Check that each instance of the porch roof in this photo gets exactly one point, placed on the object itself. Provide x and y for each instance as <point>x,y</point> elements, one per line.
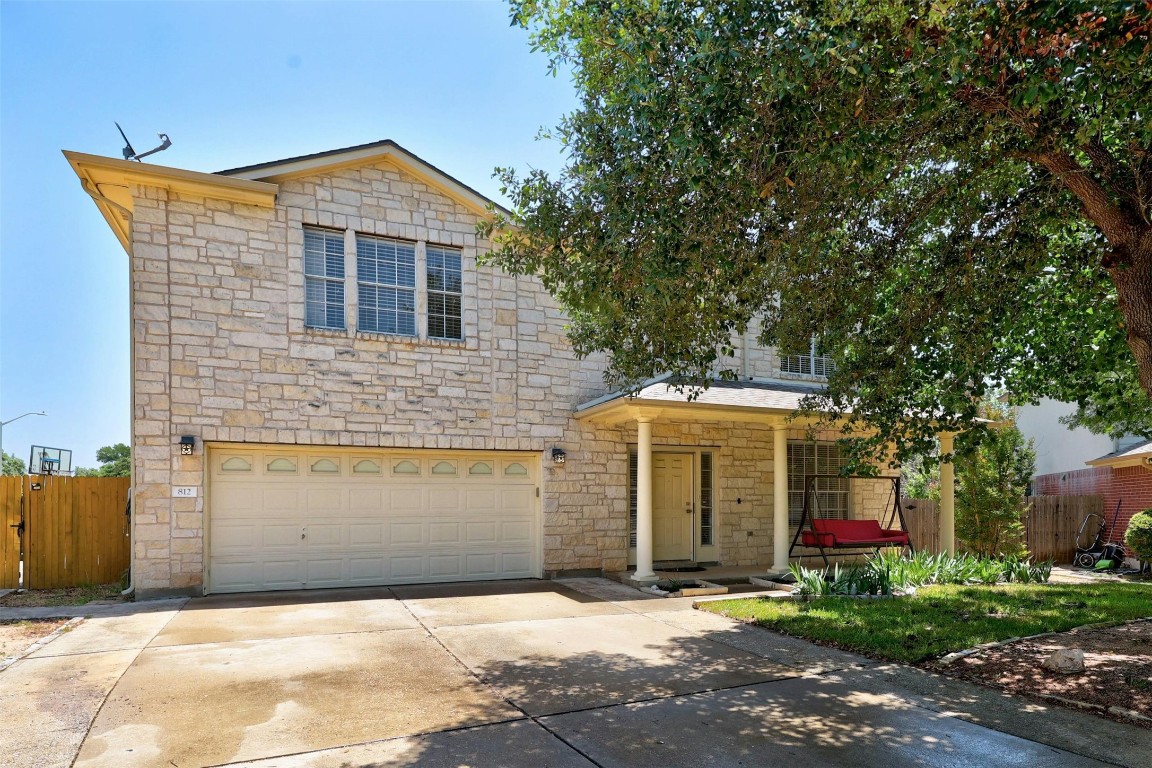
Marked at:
<point>1136,456</point>
<point>744,400</point>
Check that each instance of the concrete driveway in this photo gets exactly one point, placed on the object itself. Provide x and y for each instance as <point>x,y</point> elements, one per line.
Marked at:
<point>577,673</point>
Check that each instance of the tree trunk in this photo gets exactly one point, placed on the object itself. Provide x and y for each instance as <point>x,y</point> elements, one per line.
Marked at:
<point>1131,271</point>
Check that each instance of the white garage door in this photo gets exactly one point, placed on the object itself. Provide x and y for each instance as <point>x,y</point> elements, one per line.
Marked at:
<point>308,518</point>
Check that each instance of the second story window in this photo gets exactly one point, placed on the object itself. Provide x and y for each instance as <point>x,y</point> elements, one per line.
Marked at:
<point>386,285</point>
<point>444,293</point>
<point>323,279</point>
<point>808,363</point>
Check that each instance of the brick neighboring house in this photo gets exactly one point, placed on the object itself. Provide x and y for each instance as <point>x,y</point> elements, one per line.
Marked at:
<point>330,389</point>
<point>1119,471</point>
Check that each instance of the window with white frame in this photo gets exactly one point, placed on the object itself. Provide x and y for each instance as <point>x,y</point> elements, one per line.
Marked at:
<point>323,278</point>
<point>386,285</point>
<point>445,292</point>
<point>831,495</point>
<point>810,364</point>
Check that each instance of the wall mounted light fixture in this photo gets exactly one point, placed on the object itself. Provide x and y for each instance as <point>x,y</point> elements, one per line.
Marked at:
<point>187,443</point>
<point>558,456</point>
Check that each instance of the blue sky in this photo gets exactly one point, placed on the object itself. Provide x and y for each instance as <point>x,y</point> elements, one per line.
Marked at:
<point>232,84</point>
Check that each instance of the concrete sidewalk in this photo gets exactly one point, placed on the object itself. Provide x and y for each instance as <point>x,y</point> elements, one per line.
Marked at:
<point>581,672</point>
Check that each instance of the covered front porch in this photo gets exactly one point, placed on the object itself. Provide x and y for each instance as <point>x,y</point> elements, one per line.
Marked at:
<point>710,473</point>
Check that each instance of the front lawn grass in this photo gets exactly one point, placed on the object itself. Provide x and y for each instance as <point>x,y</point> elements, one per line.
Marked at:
<point>941,619</point>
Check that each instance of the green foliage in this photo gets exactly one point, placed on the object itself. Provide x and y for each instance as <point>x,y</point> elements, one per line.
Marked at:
<point>920,475</point>
<point>941,619</point>
<point>115,461</point>
<point>993,469</point>
<point>952,196</point>
<point>13,465</point>
<point>1025,571</point>
<point>889,571</point>
<point>1138,537</point>
<point>812,583</point>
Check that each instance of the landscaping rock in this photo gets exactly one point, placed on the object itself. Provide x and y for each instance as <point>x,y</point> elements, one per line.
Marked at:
<point>1066,661</point>
<point>691,588</point>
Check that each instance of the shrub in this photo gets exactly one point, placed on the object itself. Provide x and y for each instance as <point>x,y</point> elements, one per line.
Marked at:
<point>1139,535</point>
<point>993,471</point>
<point>889,571</point>
<point>812,583</point>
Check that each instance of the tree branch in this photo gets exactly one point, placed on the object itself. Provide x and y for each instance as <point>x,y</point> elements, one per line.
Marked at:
<point>1114,223</point>
<point>1116,176</point>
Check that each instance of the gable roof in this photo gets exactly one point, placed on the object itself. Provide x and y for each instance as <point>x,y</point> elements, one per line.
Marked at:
<point>108,181</point>
<point>368,154</point>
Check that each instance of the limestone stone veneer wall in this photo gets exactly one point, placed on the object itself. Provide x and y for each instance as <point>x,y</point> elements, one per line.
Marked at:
<point>220,352</point>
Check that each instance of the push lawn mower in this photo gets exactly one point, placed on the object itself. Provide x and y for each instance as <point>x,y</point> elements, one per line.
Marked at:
<point>1091,549</point>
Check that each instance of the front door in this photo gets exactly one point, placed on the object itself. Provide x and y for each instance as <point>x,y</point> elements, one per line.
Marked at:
<point>673,512</point>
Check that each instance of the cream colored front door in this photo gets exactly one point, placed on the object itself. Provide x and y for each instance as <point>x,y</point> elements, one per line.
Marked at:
<point>672,506</point>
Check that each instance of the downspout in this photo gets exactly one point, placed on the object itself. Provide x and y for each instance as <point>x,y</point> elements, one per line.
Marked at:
<point>94,193</point>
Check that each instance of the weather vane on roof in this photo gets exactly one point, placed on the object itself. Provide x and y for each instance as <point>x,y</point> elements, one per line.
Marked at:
<point>130,154</point>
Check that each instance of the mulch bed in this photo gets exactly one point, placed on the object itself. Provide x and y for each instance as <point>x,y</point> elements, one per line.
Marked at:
<point>39,598</point>
<point>1117,671</point>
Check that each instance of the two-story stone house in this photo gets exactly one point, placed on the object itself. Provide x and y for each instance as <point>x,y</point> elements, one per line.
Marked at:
<point>329,390</point>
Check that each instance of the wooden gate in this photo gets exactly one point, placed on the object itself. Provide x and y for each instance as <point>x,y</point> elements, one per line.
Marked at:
<point>10,492</point>
<point>75,530</point>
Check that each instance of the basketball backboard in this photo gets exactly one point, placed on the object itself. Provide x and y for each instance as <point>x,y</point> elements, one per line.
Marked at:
<point>50,461</point>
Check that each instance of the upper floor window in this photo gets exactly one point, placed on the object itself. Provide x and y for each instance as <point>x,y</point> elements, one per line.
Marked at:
<point>386,285</point>
<point>323,279</point>
<point>811,364</point>
<point>400,287</point>
<point>444,293</point>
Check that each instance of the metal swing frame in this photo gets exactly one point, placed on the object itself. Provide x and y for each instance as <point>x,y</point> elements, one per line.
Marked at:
<point>808,515</point>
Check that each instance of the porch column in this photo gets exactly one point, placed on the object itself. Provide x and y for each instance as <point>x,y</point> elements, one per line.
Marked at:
<point>947,497</point>
<point>644,570</point>
<point>780,498</point>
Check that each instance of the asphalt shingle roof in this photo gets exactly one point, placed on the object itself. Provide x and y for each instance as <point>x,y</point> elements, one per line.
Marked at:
<point>746,394</point>
<point>1140,449</point>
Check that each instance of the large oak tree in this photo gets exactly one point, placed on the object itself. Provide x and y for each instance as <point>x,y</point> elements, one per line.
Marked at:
<point>953,196</point>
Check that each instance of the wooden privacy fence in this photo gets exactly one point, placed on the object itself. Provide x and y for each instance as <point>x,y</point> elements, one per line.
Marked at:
<point>1050,524</point>
<point>69,531</point>
<point>923,519</point>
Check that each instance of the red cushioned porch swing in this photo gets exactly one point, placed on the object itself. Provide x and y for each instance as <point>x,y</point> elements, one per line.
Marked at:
<point>849,537</point>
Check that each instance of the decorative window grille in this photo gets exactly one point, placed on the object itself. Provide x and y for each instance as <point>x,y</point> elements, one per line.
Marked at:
<point>323,279</point>
<point>706,517</point>
<point>832,494</point>
<point>386,283</point>
<point>444,293</point>
<point>811,364</point>
<point>633,471</point>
